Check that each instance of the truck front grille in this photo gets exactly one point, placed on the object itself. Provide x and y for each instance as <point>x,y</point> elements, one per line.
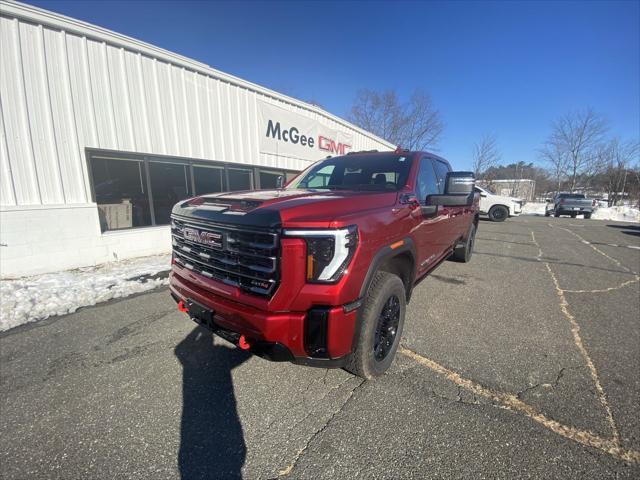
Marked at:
<point>244,258</point>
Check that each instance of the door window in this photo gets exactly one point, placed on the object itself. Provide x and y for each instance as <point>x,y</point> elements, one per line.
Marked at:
<point>427,183</point>
<point>441,172</point>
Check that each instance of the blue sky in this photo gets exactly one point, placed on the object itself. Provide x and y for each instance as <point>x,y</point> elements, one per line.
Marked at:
<point>507,68</point>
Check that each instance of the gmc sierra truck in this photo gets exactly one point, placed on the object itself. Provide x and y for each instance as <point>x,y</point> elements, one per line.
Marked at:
<point>320,272</point>
<point>573,204</point>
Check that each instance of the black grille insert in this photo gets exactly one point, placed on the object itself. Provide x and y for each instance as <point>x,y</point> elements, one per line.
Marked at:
<point>244,258</point>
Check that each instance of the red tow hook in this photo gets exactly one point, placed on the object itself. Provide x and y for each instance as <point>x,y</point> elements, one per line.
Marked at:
<point>243,343</point>
<point>182,307</point>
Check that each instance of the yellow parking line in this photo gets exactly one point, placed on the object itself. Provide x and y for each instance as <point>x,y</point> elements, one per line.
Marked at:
<point>575,330</point>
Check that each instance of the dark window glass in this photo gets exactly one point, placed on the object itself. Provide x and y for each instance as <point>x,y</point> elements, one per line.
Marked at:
<point>441,172</point>
<point>426,183</point>
<point>269,179</point>
<point>120,189</point>
<point>207,180</point>
<point>376,171</point>
<point>576,196</point>
<point>169,184</point>
<point>239,179</point>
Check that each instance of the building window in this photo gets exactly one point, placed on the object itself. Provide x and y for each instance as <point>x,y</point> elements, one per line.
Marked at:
<point>208,179</point>
<point>121,193</point>
<point>239,179</point>
<point>269,179</point>
<point>136,190</point>
<point>169,184</point>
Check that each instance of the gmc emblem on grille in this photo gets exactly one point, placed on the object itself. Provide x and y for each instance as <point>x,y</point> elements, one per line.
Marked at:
<point>211,239</point>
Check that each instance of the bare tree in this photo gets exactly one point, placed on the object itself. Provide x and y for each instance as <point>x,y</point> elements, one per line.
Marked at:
<point>556,157</point>
<point>615,160</point>
<point>574,141</point>
<point>415,124</point>
<point>485,154</point>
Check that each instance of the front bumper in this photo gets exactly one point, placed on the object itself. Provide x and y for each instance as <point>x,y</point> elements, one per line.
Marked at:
<point>276,336</point>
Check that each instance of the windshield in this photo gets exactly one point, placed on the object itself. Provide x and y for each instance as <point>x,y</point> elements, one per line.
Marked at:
<point>376,171</point>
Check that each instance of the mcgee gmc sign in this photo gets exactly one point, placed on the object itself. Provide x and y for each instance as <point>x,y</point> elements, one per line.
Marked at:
<point>290,134</point>
<point>294,136</point>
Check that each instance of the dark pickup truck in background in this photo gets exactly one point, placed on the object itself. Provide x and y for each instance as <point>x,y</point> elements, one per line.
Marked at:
<point>573,204</point>
<point>320,272</point>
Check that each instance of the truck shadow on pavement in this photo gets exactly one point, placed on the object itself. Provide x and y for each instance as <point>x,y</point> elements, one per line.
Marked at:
<point>628,229</point>
<point>211,440</point>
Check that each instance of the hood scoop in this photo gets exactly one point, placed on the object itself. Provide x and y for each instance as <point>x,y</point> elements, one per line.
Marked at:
<point>226,205</point>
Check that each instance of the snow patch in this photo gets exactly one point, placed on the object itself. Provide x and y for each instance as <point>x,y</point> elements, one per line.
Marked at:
<point>35,298</point>
<point>620,213</point>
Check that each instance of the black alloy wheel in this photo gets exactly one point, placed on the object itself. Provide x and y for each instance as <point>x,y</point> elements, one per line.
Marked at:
<point>387,328</point>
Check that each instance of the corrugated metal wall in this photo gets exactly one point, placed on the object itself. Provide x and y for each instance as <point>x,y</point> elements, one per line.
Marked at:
<point>63,89</point>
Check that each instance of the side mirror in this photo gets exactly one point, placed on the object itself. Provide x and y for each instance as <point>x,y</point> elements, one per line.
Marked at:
<point>280,182</point>
<point>455,200</point>
<point>459,183</point>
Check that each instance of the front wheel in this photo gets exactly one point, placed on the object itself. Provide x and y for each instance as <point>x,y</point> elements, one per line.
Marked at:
<point>498,213</point>
<point>382,316</point>
<point>587,216</point>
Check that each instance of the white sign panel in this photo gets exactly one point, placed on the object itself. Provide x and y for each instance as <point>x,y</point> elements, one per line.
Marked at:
<point>290,134</point>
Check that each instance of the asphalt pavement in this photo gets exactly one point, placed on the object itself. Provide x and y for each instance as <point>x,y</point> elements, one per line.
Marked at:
<point>523,363</point>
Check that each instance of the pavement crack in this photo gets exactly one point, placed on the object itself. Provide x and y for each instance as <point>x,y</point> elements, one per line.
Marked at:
<point>289,468</point>
<point>508,401</point>
<point>554,384</point>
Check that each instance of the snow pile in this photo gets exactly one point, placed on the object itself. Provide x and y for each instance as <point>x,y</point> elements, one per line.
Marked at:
<point>34,298</point>
<point>533,208</point>
<point>621,213</point>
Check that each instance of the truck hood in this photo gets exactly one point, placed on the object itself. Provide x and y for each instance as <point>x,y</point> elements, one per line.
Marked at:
<point>277,208</point>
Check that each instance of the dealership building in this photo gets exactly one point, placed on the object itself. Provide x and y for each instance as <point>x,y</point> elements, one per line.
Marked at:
<point>102,134</point>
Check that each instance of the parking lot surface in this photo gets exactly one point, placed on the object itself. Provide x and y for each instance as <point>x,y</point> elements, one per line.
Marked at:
<point>523,363</point>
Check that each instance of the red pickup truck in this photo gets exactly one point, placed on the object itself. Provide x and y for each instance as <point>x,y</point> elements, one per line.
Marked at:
<point>320,272</point>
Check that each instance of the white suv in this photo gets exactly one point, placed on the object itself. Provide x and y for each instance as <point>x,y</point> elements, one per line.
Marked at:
<point>497,207</point>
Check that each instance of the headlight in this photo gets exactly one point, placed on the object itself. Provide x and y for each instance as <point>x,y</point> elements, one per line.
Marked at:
<point>328,252</point>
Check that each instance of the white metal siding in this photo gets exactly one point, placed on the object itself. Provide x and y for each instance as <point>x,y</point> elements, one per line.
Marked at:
<point>66,85</point>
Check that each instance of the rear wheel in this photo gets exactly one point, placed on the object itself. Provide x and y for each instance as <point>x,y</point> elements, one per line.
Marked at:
<point>382,318</point>
<point>463,252</point>
<point>574,215</point>
<point>556,214</point>
<point>587,216</point>
<point>547,213</point>
<point>498,213</point>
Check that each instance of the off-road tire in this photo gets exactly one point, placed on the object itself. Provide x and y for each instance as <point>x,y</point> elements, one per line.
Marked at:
<point>362,361</point>
<point>587,216</point>
<point>574,215</point>
<point>463,252</point>
<point>498,213</point>
<point>556,214</point>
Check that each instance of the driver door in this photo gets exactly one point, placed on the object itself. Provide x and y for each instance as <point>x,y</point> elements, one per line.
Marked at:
<point>430,230</point>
